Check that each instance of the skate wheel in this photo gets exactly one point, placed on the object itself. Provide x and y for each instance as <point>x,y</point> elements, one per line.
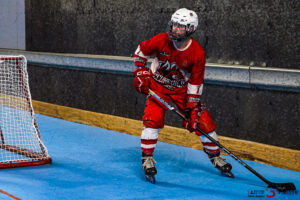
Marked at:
<point>228,174</point>
<point>151,179</point>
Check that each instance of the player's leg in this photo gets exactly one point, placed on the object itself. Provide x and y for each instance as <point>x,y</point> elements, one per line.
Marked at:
<point>208,126</point>
<point>213,151</point>
<point>148,143</point>
<point>153,120</point>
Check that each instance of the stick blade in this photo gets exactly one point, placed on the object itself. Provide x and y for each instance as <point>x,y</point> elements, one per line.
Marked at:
<point>283,187</point>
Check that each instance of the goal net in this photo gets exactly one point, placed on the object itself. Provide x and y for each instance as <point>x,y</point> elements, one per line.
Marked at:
<point>20,141</point>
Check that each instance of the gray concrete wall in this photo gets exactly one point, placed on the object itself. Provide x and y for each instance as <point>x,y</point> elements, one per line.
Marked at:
<point>251,103</point>
<point>12,24</point>
<point>255,32</point>
<point>270,117</point>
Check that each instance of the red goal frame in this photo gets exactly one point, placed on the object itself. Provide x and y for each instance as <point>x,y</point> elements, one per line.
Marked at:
<point>36,158</point>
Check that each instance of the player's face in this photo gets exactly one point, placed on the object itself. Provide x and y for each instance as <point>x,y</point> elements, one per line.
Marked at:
<point>178,30</point>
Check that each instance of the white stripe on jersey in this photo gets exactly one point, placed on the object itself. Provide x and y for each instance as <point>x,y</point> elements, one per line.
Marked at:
<point>185,48</point>
<point>140,53</point>
<point>195,89</point>
<point>154,65</point>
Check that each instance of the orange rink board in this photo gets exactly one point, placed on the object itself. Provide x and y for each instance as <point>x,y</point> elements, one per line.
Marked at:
<point>267,154</point>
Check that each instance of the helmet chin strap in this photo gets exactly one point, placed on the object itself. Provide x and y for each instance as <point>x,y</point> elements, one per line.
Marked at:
<point>181,39</point>
<point>178,39</point>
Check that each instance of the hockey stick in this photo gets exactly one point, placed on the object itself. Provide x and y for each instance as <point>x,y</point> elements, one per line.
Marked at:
<point>281,187</point>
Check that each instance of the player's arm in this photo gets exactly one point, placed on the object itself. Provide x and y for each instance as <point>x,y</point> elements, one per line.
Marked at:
<point>194,93</point>
<point>142,54</point>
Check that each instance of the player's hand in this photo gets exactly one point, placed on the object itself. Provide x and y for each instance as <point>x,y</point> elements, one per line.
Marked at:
<point>142,79</point>
<point>193,118</point>
<point>192,112</point>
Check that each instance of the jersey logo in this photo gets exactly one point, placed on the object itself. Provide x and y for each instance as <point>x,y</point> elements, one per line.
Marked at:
<point>169,75</point>
<point>164,53</point>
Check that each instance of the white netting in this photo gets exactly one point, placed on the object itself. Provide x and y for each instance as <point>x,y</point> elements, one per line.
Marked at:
<point>19,135</point>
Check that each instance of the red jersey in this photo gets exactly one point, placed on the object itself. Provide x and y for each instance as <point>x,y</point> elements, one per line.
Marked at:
<point>173,70</point>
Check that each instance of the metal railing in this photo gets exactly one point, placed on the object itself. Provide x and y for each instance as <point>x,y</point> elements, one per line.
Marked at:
<point>231,75</point>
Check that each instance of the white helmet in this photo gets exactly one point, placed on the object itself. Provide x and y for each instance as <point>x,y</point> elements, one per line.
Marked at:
<point>185,17</point>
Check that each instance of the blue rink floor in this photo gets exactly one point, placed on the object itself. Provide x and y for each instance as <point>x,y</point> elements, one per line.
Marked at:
<point>93,163</point>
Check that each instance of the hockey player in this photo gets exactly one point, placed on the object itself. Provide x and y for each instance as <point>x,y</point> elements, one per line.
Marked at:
<point>176,75</point>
